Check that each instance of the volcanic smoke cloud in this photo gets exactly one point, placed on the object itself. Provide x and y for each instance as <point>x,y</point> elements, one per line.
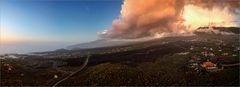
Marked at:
<point>147,18</point>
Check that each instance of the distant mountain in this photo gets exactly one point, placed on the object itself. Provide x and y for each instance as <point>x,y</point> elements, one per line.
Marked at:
<point>221,30</point>
<point>113,42</point>
<point>103,43</point>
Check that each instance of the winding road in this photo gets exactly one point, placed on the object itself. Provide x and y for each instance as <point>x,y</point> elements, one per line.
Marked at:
<point>229,65</point>
<point>83,66</point>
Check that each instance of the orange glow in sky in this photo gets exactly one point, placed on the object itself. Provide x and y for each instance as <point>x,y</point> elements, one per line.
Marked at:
<point>8,35</point>
<point>195,17</point>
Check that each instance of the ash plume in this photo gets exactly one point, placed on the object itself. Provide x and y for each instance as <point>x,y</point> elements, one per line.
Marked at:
<point>148,18</point>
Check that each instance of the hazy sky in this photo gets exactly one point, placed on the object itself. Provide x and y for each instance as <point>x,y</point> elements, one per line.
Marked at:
<point>54,21</point>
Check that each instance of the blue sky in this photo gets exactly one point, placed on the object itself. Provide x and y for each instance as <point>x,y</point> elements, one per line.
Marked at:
<point>44,25</point>
<point>59,20</point>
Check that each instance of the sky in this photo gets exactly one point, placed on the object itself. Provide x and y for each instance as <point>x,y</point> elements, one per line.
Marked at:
<point>39,25</point>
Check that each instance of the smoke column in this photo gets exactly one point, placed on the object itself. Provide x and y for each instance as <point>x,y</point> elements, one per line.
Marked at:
<point>147,18</point>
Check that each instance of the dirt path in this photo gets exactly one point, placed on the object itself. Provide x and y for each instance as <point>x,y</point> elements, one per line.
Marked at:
<point>84,65</point>
<point>229,65</point>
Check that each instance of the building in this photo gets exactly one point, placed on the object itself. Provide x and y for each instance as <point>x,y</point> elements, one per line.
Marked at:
<point>55,76</point>
<point>209,66</point>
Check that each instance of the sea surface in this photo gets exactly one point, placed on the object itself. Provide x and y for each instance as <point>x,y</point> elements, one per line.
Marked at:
<point>23,48</point>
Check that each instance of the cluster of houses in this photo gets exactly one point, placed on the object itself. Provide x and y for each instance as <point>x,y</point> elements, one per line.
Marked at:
<point>207,60</point>
<point>201,63</point>
<point>8,67</point>
<point>11,56</point>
